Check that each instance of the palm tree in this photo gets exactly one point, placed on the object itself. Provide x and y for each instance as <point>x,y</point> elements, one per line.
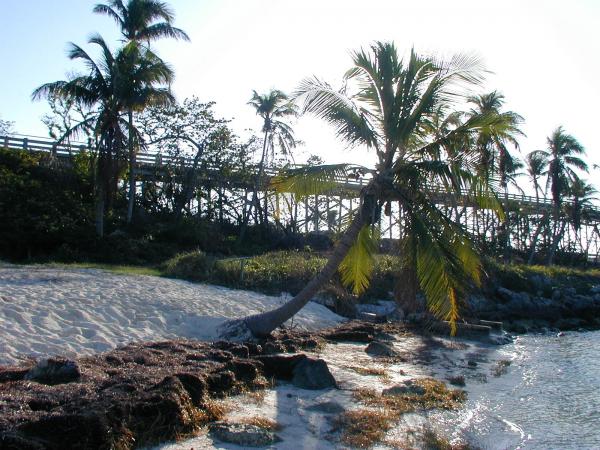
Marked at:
<point>536,167</point>
<point>140,21</point>
<point>582,196</point>
<point>273,108</point>
<point>562,159</point>
<point>492,148</point>
<point>116,83</point>
<point>386,105</point>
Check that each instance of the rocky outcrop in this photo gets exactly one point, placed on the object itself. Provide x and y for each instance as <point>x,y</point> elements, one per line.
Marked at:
<point>522,311</point>
<point>242,434</point>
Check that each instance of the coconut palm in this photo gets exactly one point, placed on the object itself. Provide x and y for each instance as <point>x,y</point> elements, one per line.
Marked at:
<point>114,84</point>
<point>562,158</point>
<point>536,165</point>
<point>140,21</point>
<point>582,196</point>
<point>492,145</point>
<point>274,108</point>
<point>386,105</point>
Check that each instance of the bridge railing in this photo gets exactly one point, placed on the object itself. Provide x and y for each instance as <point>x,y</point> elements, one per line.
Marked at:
<point>147,159</point>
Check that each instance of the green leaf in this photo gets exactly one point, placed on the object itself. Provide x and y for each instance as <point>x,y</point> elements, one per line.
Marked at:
<point>357,266</point>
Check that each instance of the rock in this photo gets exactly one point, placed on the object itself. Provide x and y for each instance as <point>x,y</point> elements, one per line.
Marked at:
<point>313,373</point>
<point>408,387</point>
<point>556,295</point>
<point>330,407</point>
<point>54,371</point>
<point>377,348</point>
<point>595,289</point>
<point>280,366</point>
<point>195,386</point>
<point>245,369</point>
<point>368,317</point>
<point>242,434</point>
<point>570,291</point>
<point>386,337</point>
<point>349,336</point>
<point>471,363</point>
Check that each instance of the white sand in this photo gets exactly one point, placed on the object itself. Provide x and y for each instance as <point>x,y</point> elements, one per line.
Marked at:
<point>48,311</point>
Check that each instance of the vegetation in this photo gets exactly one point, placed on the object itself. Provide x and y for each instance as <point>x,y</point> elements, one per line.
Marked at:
<point>211,197</point>
<point>367,426</point>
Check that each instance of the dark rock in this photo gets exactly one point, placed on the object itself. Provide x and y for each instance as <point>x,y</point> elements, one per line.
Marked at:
<point>377,348</point>
<point>313,373</point>
<point>244,435</point>
<point>568,324</point>
<point>280,366</point>
<point>54,371</point>
<point>471,363</point>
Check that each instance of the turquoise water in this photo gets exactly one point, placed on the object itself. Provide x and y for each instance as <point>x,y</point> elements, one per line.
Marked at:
<point>549,398</point>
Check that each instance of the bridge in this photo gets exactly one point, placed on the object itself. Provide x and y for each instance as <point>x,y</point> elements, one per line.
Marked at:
<point>320,213</point>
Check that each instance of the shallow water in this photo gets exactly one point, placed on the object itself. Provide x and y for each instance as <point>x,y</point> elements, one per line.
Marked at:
<point>549,398</point>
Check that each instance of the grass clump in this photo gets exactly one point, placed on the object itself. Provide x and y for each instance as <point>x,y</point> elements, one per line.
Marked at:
<point>435,396</point>
<point>263,422</point>
<point>363,428</point>
<point>195,266</point>
<point>370,371</point>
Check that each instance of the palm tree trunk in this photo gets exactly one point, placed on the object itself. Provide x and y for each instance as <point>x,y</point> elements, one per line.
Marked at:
<point>132,185</point>
<point>254,202</point>
<point>263,324</point>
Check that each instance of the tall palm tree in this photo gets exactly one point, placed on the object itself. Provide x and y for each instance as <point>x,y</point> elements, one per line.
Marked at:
<point>495,158</point>
<point>140,22</point>
<point>562,159</point>
<point>275,109</point>
<point>582,196</point>
<point>536,167</point>
<point>385,106</point>
<point>114,84</point>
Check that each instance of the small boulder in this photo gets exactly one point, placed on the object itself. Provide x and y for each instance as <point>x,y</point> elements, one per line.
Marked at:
<point>242,434</point>
<point>378,348</point>
<point>313,373</point>
<point>54,371</point>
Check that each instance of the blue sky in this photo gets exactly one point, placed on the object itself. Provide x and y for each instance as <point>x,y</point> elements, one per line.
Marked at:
<point>544,54</point>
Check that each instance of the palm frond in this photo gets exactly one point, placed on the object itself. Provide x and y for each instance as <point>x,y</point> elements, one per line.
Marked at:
<point>356,267</point>
<point>314,180</point>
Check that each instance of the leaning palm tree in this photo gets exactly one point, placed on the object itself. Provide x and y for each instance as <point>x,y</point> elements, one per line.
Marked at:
<point>140,21</point>
<point>386,105</point>
<point>275,109</point>
<point>562,159</point>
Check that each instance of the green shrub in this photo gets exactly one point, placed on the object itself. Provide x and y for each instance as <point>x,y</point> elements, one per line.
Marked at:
<point>273,272</point>
<point>195,266</point>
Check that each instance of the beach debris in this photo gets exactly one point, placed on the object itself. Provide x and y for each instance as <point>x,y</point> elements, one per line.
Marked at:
<point>407,387</point>
<point>54,371</point>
